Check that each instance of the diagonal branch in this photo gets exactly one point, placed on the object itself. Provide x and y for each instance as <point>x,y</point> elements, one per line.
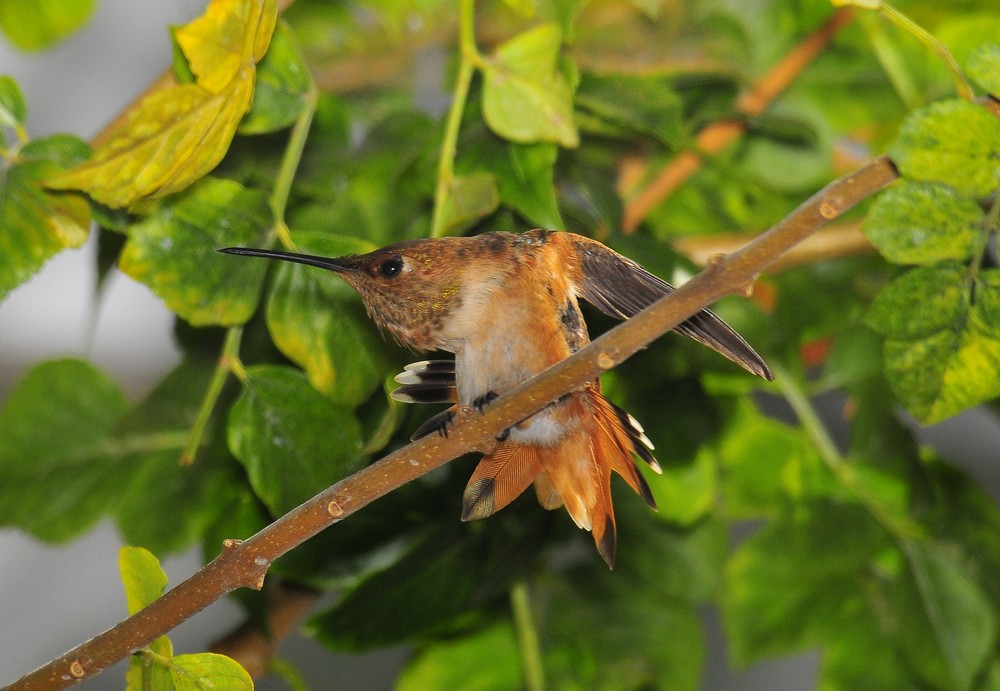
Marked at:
<point>245,563</point>
<point>720,134</point>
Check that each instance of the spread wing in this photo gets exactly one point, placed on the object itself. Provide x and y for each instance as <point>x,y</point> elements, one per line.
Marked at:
<point>621,288</point>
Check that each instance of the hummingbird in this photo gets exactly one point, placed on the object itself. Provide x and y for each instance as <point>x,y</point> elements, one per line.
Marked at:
<point>507,306</point>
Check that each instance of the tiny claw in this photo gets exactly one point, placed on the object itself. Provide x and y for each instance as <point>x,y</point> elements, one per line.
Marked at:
<point>446,421</point>
<point>481,402</point>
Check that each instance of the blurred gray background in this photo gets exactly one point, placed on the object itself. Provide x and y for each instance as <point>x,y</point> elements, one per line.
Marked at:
<point>52,598</point>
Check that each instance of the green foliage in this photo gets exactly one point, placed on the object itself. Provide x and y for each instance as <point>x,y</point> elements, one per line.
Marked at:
<point>172,250</point>
<point>881,555</point>
<point>525,97</point>
<point>983,65</point>
<point>60,475</point>
<point>32,25</point>
<point>156,668</point>
<point>37,223</point>
<point>273,432</point>
<point>469,662</point>
<point>318,322</point>
<point>953,142</point>
<point>942,343</point>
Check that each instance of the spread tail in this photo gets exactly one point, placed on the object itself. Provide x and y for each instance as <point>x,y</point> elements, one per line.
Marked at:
<point>574,471</point>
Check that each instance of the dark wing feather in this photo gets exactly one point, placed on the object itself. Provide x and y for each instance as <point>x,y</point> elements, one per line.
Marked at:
<point>621,288</point>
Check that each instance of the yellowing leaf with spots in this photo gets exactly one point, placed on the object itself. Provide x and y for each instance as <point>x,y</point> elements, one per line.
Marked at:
<point>942,329</point>
<point>172,251</point>
<point>178,135</point>
<point>228,38</point>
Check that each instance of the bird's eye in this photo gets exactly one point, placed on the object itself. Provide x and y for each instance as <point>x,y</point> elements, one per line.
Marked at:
<point>391,267</point>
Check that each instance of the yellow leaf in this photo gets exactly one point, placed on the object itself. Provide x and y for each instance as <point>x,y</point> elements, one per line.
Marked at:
<point>230,36</point>
<point>177,135</point>
<point>174,138</point>
<point>143,578</point>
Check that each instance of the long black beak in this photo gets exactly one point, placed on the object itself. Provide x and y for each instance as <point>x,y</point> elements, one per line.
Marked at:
<point>337,264</point>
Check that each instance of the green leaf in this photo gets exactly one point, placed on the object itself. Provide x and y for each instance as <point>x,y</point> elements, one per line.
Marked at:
<point>524,177</point>
<point>173,251</point>
<point>694,555</point>
<point>525,8</point>
<point>861,658</point>
<point>792,163</point>
<point>792,584</point>
<point>947,625</point>
<point>942,354</point>
<point>953,142</point>
<point>959,512</point>
<point>525,98</point>
<point>13,107</point>
<point>196,496</point>
<point>644,104</point>
<point>282,87</point>
<point>144,674</point>
<point>685,493</point>
<point>292,440</point>
<point>38,223</point>
<point>38,24</point>
<point>383,610</point>
<point>203,671</point>
<point>377,191</point>
<point>626,629</point>
<point>319,322</point>
<point>176,136</point>
<point>924,223</point>
<point>470,198</point>
<point>765,463</point>
<point>524,172</point>
<point>479,661</point>
<point>983,65</point>
<point>143,578</point>
<point>921,303</point>
<point>60,474</point>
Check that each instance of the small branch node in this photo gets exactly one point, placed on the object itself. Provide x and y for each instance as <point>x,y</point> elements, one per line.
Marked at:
<point>715,260</point>
<point>746,289</point>
<point>333,509</point>
<point>231,543</point>
<point>828,211</point>
<point>605,361</point>
<point>78,667</point>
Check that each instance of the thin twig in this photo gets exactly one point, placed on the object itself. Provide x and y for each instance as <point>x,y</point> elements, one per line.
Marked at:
<point>244,564</point>
<point>253,646</point>
<point>835,240</point>
<point>719,135</point>
<point>527,637</point>
<point>446,158</point>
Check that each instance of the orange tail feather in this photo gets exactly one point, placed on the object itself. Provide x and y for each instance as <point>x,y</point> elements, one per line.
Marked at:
<point>499,479</point>
<point>575,471</point>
